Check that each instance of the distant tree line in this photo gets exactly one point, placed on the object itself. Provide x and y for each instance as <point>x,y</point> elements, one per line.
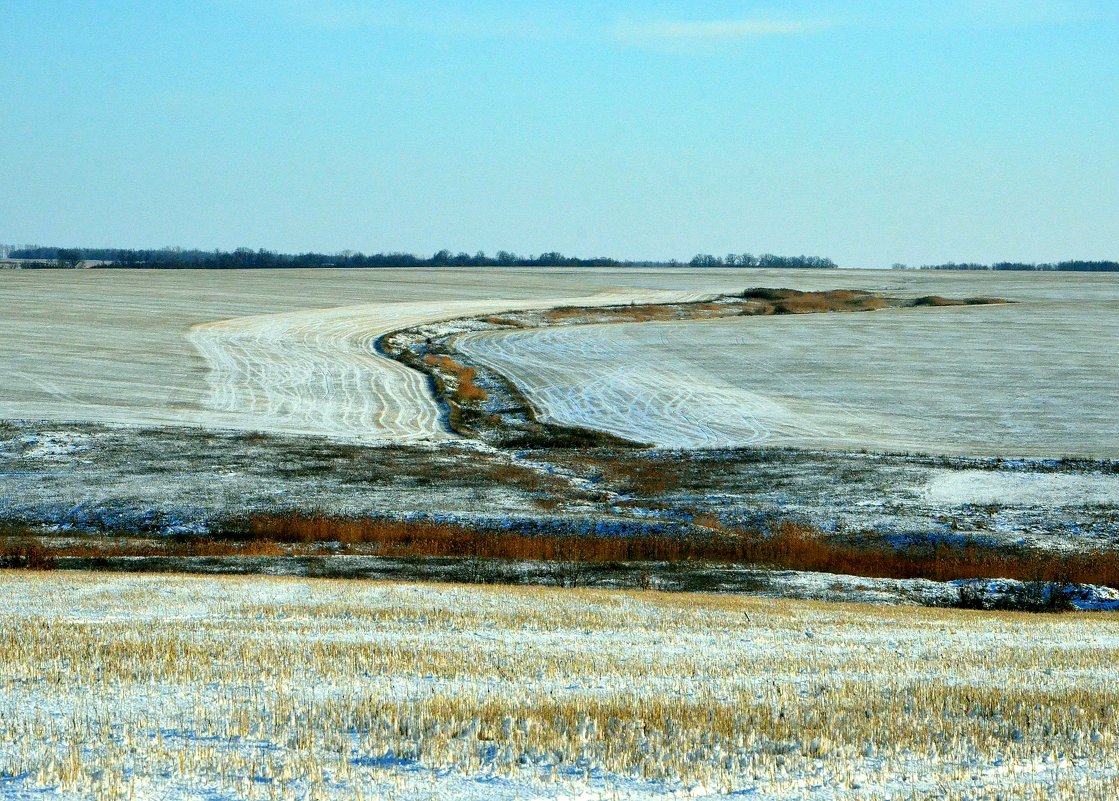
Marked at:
<point>764,260</point>
<point>1061,266</point>
<point>247,258</point>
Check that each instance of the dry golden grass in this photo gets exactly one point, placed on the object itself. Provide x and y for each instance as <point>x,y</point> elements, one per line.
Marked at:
<point>613,314</point>
<point>505,322</point>
<point>565,313</point>
<point>463,388</point>
<point>122,687</point>
<point>643,313</point>
<point>757,301</point>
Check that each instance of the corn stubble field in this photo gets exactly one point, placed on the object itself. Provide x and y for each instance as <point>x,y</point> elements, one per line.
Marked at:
<point>269,397</point>
<point>160,687</point>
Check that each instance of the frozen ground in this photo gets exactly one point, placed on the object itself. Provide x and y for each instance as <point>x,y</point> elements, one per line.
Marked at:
<point>1020,488</point>
<point>175,687</point>
<point>1035,378</point>
<point>120,479</point>
<point>171,687</point>
<point>271,350</point>
<point>291,351</point>
<point>319,372</point>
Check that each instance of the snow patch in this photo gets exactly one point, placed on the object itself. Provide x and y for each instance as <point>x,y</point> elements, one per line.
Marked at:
<point>54,445</point>
<point>982,487</point>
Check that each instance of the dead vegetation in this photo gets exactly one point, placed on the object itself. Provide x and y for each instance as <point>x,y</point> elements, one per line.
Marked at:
<point>135,687</point>
<point>794,301</point>
<point>937,300</point>
<point>27,554</point>
<point>646,478</point>
<point>634,313</point>
<point>751,302</point>
<point>497,413</point>
<point>797,547</point>
<point>782,544</point>
<point>457,378</point>
<point>504,322</point>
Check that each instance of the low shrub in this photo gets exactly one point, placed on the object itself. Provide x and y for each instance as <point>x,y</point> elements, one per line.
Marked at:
<point>764,293</point>
<point>933,300</point>
<point>1030,596</point>
<point>787,545</point>
<point>25,554</point>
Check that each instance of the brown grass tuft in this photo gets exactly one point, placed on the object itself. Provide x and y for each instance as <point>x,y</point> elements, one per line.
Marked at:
<point>464,390</point>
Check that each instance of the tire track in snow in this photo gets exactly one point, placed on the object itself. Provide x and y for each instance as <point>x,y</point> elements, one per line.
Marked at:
<point>315,372</point>
<point>620,387</point>
<point>318,371</point>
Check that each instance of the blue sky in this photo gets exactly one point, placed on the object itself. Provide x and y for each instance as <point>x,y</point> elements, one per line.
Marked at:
<point>872,132</point>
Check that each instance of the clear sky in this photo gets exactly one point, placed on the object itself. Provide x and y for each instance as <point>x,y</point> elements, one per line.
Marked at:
<point>871,132</point>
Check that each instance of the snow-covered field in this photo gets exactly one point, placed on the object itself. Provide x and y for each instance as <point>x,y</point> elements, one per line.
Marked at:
<point>1036,378</point>
<point>1009,489</point>
<point>291,351</point>
<point>273,350</point>
<point>319,371</point>
<point>177,687</point>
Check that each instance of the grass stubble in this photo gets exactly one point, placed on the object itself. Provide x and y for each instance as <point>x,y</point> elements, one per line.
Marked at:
<point>148,687</point>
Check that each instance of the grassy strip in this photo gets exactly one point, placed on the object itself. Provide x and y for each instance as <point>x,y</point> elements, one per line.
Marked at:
<point>788,546</point>
<point>461,386</point>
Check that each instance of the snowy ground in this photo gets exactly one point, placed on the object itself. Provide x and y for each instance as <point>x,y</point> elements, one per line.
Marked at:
<point>290,350</point>
<point>176,687</point>
<point>319,372</point>
<point>119,479</point>
<point>1020,488</point>
<point>1035,378</point>
<point>173,687</point>
<point>262,350</point>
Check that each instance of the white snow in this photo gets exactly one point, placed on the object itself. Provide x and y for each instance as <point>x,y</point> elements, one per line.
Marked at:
<point>287,349</point>
<point>1024,379</point>
<point>984,487</point>
<point>54,445</point>
<point>175,687</point>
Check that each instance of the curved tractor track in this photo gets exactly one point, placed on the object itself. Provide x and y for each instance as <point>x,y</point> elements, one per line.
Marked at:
<point>574,376</point>
<point>321,371</point>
